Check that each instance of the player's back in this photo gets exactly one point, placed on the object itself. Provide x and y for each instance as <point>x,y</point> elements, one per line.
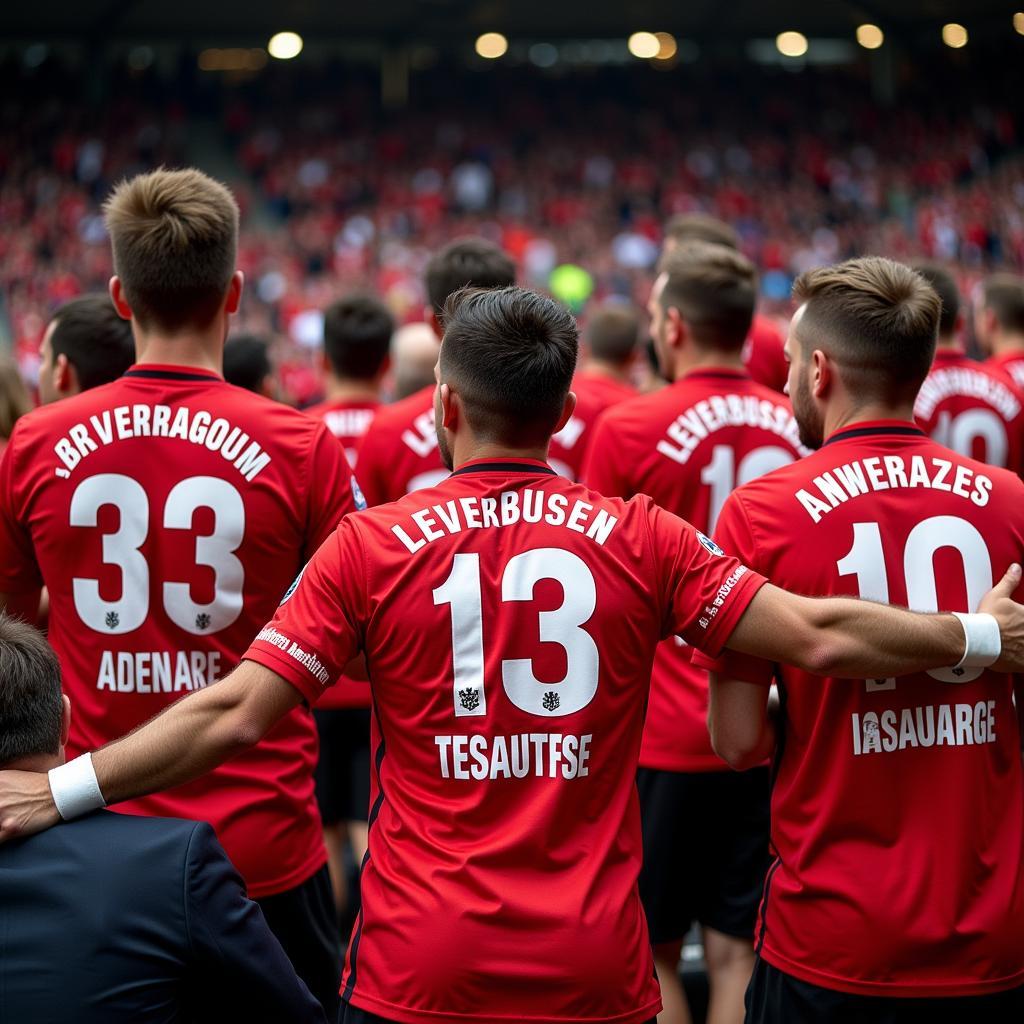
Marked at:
<point>687,446</point>
<point>167,512</point>
<point>1010,362</point>
<point>896,809</point>
<point>974,409</point>
<point>347,419</point>
<point>763,354</point>
<point>509,617</point>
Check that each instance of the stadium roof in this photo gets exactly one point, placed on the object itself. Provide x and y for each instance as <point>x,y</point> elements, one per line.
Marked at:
<point>402,20</point>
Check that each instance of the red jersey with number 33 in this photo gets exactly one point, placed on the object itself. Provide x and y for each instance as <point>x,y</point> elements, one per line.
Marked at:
<point>898,808</point>
<point>167,513</point>
<point>509,618</point>
<point>687,446</point>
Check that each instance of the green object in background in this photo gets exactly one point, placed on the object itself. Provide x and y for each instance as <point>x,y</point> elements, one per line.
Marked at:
<point>572,285</point>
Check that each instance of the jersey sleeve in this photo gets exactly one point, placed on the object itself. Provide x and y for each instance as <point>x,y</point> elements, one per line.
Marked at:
<point>333,491</point>
<point>318,627</point>
<point>733,533</point>
<point>19,571</point>
<point>705,591</point>
<point>371,465</point>
<point>602,463</point>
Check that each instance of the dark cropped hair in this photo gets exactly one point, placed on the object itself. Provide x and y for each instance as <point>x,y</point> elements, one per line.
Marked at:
<point>1004,294</point>
<point>247,361</point>
<point>30,693</point>
<point>97,341</point>
<point>510,355</point>
<point>357,336</point>
<point>612,333</point>
<point>467,263</point>
<point>877,318</point>
<point>945,287</point>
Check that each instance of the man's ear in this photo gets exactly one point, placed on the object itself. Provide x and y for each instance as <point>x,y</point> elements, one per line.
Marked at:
<point>124,311</point>
<point>567,410</point>
<point>65,719</point>
<point>234,296</point>
<point>450,411</point>
<point>65,378</point>
<point>676,330</point>
<point>435,324</point>
<point>823,374</point>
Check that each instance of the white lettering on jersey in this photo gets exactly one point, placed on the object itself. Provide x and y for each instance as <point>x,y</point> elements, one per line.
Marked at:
<point>945,725</point>
<point>307,659</point>
<point>422,439</point>
<point>157,671</point>
<point>123,422</point>
<point>541,754</point>
<point>880,473</point>
<point>967,382</point>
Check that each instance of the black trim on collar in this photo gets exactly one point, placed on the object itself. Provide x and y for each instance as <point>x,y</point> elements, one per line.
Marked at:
<point>843,435</point>
<point>503,467</point>
<point>170,375</point>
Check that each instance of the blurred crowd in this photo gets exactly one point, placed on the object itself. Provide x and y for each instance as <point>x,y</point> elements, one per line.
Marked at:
<point>563,173</point>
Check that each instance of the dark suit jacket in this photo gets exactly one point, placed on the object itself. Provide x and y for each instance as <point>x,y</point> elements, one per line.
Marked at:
<point>117,918</point>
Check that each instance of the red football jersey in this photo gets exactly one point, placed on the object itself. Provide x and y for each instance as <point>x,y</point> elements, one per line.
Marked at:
<point>501,879</point>
<point>167,513</point>
<point>897,804</point>
<point>348,421</point>
<point>973,409</point>
<point>763,354</point>
<point>687,446</point>
<point>1011,363</point>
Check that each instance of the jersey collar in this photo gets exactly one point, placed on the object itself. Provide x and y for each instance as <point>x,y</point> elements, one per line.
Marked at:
<point>530,466</point>
<point>157,371</point>
<point>875,428</point>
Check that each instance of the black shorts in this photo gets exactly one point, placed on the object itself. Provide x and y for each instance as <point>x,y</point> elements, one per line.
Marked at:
<point>349,1014</point>
<point>705,850</point>
<point>305,923</point>
<point>343,771</point>
<point>774,997</point>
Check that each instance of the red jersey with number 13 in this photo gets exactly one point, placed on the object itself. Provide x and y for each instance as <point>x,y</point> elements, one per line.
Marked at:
<point>509,618</point>
<point>897,818</point>
<point>167,513</point>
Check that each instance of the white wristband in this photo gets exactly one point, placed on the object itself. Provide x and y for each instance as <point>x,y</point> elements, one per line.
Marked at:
<point>983,642</point>
<point>75,789</point>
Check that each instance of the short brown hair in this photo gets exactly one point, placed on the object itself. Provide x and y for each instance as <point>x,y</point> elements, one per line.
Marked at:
<point>715,290</point>
<point>612,333</point>
<point>510,355</point>
<point>701,227</point>
<point>31,709</point>
<point>876,318</point>
<point>945,287</point>
<point>467,263</point>
<point>174,235</point>
<point>96,341</point>
<point>1004,295</point>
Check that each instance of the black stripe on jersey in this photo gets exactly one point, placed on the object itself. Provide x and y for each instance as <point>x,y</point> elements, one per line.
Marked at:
<point>374,811</point>
<point>907,431</point>
<point>504,467</point>
<point>170,375</point>
<point>764,903</point>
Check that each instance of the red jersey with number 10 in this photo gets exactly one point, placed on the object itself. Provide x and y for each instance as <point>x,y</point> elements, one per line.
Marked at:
<point>687,446</point>
<point>897,818</point>
<point>509,618</point>
<point>167,513</point>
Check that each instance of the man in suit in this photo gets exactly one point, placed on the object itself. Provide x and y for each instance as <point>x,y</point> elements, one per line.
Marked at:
<point>115,918</point>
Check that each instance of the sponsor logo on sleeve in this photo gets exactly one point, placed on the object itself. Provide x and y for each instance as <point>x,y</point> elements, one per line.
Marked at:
<point>357,497</point>
<point>709,544</point>
<point>295,584</point>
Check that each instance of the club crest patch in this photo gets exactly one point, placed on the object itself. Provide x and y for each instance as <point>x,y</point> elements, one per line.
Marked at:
<point>709,544</point>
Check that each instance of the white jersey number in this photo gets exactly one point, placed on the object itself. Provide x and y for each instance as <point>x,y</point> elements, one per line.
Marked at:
<point>960,433</point>
<point>562,625</point>
<point>866,561</point>
<point>723,477</point>
<point>121,548</point>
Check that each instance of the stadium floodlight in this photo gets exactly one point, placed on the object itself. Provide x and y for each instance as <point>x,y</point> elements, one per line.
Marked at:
<point>491,45</point>
<point>667,46</point>
<point>1018,22</point>
<point>644,45</point>
<point>870,37</point>
<point>954,35</point>
<point>285,45</point>
<point>791,44</point>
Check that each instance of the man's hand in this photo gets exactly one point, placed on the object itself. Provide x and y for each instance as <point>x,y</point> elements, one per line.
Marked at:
<point>999,603</point>
<point>26,805</point>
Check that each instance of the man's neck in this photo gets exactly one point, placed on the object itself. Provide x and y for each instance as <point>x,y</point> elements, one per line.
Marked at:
<point>712,359</point>
<point>36,763</point>
<point>948,344</point>
<point>850,416</point>
<point>471,449</point>
<point>608,371</point>
<point>196,351</point>
<point>1007,344</point>
<point>347,389</point>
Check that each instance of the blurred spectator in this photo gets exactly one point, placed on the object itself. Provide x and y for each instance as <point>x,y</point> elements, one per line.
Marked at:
<point>14,400</point>
<point>247,365</point>
<point>85,345</point>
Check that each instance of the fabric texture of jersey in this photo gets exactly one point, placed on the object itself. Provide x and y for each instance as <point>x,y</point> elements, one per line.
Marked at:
<point>896,809</point>
<point>974,409</point>
<point>348,421</point>
<point>167,513</point>
<point>1011,363</point>
<point>509,618</point>
<point>687,446</point>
